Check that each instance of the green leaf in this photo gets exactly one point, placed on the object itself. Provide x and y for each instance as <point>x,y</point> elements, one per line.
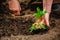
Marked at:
<point>44,12</point>
<point>32,28</point>
<point>35,14</point>
<point>39,13</point>
<point>42,26</point>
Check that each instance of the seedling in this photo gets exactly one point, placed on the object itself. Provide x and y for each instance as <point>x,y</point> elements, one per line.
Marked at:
<point>38,15</point>
<point>35,28</point>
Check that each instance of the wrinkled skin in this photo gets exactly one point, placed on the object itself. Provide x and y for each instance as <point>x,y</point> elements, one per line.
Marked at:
<point>47,4</point>
<point>15,7</point>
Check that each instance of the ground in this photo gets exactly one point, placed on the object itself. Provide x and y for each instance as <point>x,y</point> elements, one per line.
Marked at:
<point>22,33</point>
<point>18,28</point>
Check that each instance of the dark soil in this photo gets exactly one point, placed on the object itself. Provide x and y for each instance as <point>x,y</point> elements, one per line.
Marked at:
<point>20,25</point>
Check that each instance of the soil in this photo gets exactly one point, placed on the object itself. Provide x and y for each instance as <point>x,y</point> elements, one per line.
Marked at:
<point>20,24</point>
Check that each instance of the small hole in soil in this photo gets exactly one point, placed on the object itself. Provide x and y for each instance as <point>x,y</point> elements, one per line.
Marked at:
<point>39,31</point>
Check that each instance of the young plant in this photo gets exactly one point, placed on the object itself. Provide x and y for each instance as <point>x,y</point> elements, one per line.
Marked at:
<point>38,15</point>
